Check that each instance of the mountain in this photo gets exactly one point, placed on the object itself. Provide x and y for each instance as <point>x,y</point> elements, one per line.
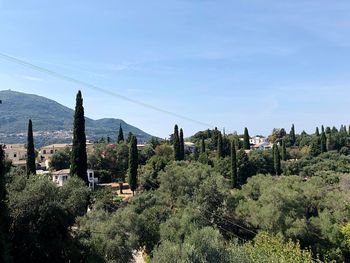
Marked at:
<point>52,122</point>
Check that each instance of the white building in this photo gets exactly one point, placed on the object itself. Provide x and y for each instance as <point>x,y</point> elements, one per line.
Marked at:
<point>189,147</point>
<point>258,140</point>
<point>263,146</point>
<point>61,176</point>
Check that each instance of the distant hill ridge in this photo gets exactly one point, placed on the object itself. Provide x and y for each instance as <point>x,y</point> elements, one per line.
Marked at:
<point>52,122</point>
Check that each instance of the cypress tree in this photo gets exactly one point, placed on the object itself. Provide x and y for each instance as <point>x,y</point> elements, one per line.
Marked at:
<point>341,129</point>
<point>315,147</point>
<point>323,142</point>
<point>128,140</point>
<point>244,167</point>
<point>292,135</point>
<point>31,169</point>
<point>5,255</point>
<point>78,153</point>
<point>246,142</point>
<point>276,159</point>
<point>176,144</point>
<point>233,165</point>
<point>220,146</point>
<point>283,151</point>
<point>203,146</point>
<point>239,144</point>
<point>330,142</point>
<point>317,133</point>
<point>226,146</point>
<point>215,137</point>
<point>282,133</point>
<point>120,134</point>
<point>208,134</point>
<point>182,145</point>
<point>133,164</point>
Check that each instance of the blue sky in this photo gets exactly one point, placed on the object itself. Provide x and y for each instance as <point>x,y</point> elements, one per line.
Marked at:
<point>260,64</point>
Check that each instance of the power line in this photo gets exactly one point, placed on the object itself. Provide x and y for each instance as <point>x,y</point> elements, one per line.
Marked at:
<point>97,88</point>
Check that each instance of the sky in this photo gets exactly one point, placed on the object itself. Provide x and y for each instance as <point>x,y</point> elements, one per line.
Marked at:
<point>259,64</point>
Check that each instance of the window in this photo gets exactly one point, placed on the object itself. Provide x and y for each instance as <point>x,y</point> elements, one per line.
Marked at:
<point>14,155</point>
<point>44,151</point>
<point>51,151</point>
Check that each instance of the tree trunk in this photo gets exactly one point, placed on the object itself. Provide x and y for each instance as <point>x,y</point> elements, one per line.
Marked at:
<point>121,188</point>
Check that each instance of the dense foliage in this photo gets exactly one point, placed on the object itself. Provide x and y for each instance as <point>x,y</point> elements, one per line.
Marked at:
<point>223,203</point>
<point>60,160</point>
<point>109,161</point>
<point>41,217</point>
<point>5,252</point>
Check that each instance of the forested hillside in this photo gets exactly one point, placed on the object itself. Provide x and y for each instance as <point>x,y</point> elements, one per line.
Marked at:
<point>52,122</point>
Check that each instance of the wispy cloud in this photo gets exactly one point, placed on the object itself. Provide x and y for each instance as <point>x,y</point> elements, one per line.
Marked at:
<point>28,77</point>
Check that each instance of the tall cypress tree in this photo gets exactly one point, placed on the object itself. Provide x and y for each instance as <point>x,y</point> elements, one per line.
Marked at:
<point>330,142</point>
<point>176,144</point>
<point>246,142</point>
<point>5,255</point>
<point>31,169</point>
<point>233,165</point>
<point>292,135</point>
<point>215,137</point>
<point>128,140</point>
<point>283,151</point>
<point>317,132</point>
<point>220,146</point>
<point>203,146</point>
<point>323,142</point>
<point>276,159</point>
<point>182,145</point>
<point>78,154</point>
<point>133,164</point>
<point>120,134</point>
<point>244,167</point>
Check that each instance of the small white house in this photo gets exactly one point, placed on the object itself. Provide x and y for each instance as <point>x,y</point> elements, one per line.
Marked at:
<point>61,176</point>
<point>189,147</point>
<point>263,146</point>
<point>258,140</point>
